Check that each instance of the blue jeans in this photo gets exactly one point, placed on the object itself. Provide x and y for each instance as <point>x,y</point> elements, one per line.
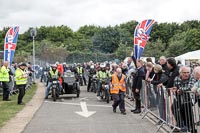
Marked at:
<point>49,86</point>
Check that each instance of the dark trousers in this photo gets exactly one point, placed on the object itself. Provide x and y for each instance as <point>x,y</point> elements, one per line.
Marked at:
<point>6,90</point>
<point>84,79</point>
<point>43,78</point>
<point>21,92</point>
<point>89,83</point>
<point>137,99</point>
<point>118,99</point>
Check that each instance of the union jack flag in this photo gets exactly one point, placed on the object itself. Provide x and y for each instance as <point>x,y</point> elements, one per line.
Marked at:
<point>141,36</point>
<point>10,44</point>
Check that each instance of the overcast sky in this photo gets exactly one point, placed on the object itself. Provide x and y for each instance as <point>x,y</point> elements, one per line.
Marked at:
<point>77,13</point>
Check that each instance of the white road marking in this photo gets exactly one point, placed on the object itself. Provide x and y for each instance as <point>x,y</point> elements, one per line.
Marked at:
<point>78,104</point>
<point>90,105</point>
<point>85,112</point>
<point>83,99</point>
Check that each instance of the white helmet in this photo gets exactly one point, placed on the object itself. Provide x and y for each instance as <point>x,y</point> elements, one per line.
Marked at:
<point>92,66</point>
<point>54,65</point>
<point>102,65</point>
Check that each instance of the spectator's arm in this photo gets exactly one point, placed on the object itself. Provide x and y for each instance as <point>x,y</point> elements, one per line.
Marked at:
<point>163,79</point>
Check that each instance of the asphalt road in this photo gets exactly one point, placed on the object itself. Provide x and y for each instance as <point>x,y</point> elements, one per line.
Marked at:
<point>62,117</point>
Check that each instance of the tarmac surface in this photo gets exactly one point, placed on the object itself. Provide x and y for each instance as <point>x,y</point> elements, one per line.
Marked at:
<point>85,114</point>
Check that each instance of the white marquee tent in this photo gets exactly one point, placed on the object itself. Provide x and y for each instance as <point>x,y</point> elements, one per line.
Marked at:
<point>193,55</point>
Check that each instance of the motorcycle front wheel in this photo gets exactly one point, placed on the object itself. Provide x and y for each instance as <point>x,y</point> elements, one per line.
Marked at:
<point>54,94</point>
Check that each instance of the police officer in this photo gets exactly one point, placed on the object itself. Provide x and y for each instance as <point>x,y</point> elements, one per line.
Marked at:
<point>21,81</point>
<point>118,90</point>
<point>4,78</point>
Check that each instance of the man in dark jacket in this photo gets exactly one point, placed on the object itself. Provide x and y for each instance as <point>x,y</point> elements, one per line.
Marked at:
<point>92,71</point>
<point>137,85</point>
<point>173,72</point>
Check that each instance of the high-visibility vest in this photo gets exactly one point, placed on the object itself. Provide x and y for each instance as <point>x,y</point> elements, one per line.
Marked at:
<point>103,75</point>
<point>18,77</point>
<point>54,75</point>
<point>117,85</point>
<point>80,70</point>
<point>4,74</point>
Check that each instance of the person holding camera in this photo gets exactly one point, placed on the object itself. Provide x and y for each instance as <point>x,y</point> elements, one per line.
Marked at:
<point>21,81</point>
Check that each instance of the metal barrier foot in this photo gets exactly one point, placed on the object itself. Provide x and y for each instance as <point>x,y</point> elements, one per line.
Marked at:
<point>160,125</point>
<point>146,112</point>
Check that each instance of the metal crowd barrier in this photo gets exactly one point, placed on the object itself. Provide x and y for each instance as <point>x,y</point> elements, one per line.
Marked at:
<point>129,83</point>
<point>12,85</point>
<point>178,111</point>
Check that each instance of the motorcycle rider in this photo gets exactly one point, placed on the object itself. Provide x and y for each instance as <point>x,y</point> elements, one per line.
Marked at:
<point>102,74</point>
<point>80,71</point>
<point>52,75</point>
<point>92,72</point>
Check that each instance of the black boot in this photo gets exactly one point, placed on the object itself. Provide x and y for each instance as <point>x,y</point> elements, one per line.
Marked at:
<point>138,106</point>
<point>132,110</point>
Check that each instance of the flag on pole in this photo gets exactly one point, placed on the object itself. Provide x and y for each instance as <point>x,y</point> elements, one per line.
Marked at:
<point>141,36</point>
<point>10,44</point>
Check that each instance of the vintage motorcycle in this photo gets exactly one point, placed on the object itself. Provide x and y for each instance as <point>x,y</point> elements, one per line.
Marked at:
<point>105,91</point>
<point>54,90</point>
<point>93,87</point>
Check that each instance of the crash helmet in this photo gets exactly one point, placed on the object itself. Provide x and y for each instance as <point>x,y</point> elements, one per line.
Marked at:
<point>92,67</point>
<point>78,64</point>
<point>102,65</point>
<point>54,67</point>
<point>57,62</point>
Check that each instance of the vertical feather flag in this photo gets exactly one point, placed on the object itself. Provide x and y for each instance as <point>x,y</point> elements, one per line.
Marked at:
<point>141,36</point>
<point>10,44</point>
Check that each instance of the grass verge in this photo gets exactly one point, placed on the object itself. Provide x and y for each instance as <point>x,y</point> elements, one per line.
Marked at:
<point>11,108</point>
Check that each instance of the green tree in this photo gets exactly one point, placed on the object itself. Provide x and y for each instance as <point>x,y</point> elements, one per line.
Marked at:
<point>154,49</point>
<point>107,40</point>
<point>88,30</point>
<point>192,40</point>
<point>187,25</point>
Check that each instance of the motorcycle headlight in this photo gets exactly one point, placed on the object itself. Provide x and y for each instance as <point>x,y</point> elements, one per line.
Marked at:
<point>54,82</point>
